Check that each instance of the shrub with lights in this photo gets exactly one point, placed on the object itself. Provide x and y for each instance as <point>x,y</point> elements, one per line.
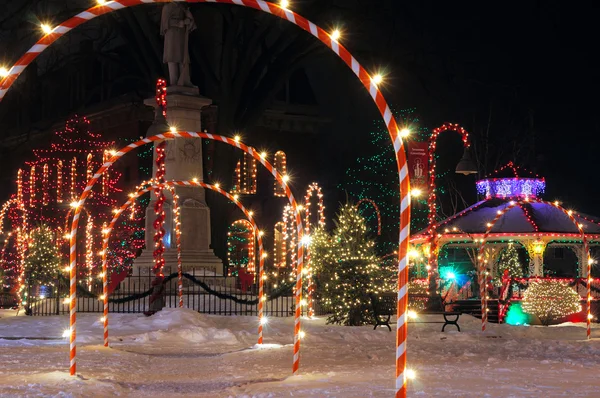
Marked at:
<point>550,300</point>
<point>348,269</point>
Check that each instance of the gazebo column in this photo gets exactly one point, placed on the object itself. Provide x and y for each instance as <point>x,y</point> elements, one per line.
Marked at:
<point>581,260</point>
<point>492,253</point>
<point>536,250</point>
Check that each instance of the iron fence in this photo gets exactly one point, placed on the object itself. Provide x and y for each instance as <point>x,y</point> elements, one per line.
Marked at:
<point>54,301</point>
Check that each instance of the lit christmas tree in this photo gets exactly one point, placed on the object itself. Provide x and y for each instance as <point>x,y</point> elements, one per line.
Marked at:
<point>509,260</point>
<point>550,300</point>
<point>42,262</point>
<point>348,270</point>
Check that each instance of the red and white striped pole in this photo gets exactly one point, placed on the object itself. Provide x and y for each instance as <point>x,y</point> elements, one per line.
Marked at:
<point>262,320</point>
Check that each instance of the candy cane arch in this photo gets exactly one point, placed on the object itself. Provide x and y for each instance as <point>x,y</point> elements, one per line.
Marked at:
<point>171,135</point>
<point>482,261</point>
<point>370,84</point>
<point>377,212</point>
<point>152,185</point>
<point>431,199</point>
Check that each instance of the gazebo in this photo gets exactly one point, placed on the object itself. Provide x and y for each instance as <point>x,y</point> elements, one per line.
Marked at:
<point>547,231</point>
<point>535,225</point>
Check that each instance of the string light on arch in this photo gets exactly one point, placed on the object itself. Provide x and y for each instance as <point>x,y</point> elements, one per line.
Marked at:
<point>59,182</point>
<point>280,164</point>
<point>32,186</point>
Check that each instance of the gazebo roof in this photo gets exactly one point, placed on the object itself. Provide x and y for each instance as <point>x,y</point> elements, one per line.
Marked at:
<point>529,217</point>
<point>532,217</point>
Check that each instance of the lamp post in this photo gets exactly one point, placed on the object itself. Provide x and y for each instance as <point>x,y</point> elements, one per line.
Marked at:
<point>466,166</point>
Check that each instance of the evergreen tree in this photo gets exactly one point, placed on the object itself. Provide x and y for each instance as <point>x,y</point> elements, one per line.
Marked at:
<point>41,260</point>
<point>509,260</point>
<point>375,176</point>
<point>550,300</point>
<point>348,269</point>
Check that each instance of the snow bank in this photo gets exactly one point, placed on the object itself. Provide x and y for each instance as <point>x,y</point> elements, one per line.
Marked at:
<point>180,353</point>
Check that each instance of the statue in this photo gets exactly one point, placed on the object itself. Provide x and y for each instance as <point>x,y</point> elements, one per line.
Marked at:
<point>176,24</point>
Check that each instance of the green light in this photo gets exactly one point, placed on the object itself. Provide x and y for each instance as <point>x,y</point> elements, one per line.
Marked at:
<point>515,315</point>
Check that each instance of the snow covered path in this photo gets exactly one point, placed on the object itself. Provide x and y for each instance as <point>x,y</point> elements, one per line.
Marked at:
<point>179,353</point>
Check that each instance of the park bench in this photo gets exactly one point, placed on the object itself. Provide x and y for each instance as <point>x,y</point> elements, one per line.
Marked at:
<point>385,305</point>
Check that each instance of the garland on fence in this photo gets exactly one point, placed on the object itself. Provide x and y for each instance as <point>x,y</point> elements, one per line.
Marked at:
<point>276,293</point>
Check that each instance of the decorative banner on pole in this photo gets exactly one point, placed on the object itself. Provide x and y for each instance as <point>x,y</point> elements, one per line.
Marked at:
<point>418,165</point>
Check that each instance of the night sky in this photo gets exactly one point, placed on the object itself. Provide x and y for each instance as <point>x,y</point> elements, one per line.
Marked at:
<point>523,70</point>
<point>520,71</point>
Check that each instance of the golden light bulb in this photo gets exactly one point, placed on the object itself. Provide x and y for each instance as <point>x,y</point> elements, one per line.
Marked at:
<point>377,79</point>
<point>173,129</point>
<point>415,192</point>
<point>284,4</point>
<point>47,29</point>
<point>101,2</point>
<point>405,132</point>
<point>3,71</point>
<point>236,138</point>
<point>336,34</point>
<point>285,178</point>
<point>411,374</point>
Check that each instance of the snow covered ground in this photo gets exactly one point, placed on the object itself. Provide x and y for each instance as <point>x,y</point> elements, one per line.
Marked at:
<point>179,353</point>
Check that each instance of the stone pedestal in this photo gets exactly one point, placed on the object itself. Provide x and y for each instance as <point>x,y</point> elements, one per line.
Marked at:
<point>183,162</point>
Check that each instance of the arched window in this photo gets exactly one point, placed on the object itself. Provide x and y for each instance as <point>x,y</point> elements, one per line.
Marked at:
<point>245,175</point>
<point>59,182</point>
<point>280,164</point>
<point>32,186</point>
<point>73,178</point>
<point>45,195</point>
<point>279,245</point>
<point>20,186</point>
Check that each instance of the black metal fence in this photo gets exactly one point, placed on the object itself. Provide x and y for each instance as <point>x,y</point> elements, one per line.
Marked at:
<point>54,301</point>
